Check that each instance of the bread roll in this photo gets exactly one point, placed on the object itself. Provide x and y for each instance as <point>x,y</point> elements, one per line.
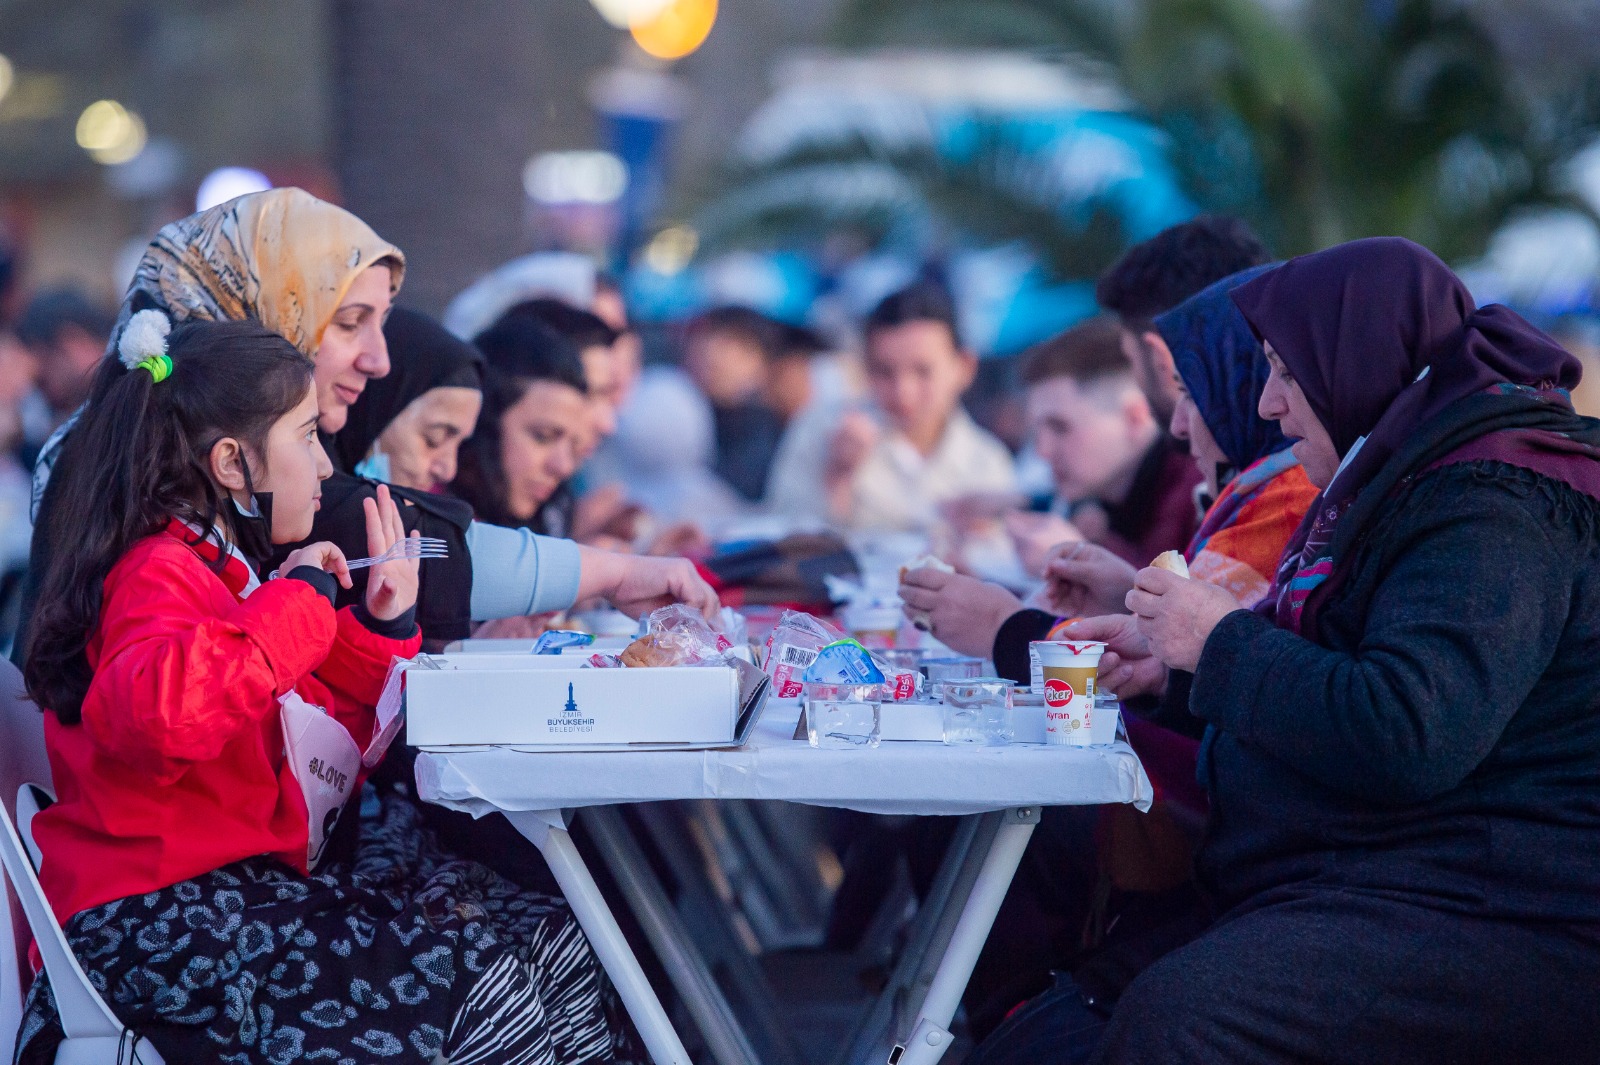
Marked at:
<point>651,651</point>
<point>1173,561</point>
<point>925,562</point>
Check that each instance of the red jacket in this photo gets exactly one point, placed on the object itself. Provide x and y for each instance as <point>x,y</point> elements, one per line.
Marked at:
<point>178,765</point>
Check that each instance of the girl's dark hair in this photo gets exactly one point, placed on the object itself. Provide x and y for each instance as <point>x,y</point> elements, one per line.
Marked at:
<point>137,458</point>
<point>518,350</point>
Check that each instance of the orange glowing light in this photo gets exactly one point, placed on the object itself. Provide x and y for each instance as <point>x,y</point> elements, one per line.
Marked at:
<point>677,29</point>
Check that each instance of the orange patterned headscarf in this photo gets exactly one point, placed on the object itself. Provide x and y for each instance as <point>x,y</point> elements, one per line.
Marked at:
<point>283,258</point>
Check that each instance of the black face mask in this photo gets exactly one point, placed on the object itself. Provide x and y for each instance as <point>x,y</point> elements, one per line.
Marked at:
<point>253,531</point>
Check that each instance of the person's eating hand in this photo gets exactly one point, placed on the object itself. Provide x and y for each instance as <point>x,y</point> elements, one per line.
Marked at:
<point>518,627</point>
<point>977,509</point>
<point>1395,740</point>
<point>961,612</point>
<point>638,584</point>
<point>1176,614</point>
<point>1037,535</point>
<point>1129,666</point>
<point>1085,580</point>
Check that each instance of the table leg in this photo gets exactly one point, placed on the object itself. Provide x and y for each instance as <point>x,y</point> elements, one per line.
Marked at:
<point>694,936</point>
<point>897,1007</point>
<point>609,944</point>
<point>930,1037</point>
<point>680,952</point>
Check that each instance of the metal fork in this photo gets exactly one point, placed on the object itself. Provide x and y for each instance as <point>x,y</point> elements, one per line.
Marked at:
<point>410,547</point>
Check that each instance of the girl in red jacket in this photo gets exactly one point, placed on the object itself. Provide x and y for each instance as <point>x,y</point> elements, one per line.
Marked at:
<point>206,730</point>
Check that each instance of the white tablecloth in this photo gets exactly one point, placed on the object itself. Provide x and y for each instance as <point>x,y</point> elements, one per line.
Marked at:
<point>893,778</point>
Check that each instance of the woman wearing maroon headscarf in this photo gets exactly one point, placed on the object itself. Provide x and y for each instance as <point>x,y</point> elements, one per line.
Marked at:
<point>1403,752</point>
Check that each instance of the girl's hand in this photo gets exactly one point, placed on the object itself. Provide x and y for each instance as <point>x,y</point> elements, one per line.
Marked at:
<point>1176,614</point>
<point>391,586</point>
<point>320,555</point>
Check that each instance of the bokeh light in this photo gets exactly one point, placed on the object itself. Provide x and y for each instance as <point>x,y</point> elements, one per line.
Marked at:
<point>8,76</point>
<point>671,250</point>
<point>624,13</point>
<point>111,133</point>
<point>575,177</point>
<point>677,29</point>
<point>228,183</point>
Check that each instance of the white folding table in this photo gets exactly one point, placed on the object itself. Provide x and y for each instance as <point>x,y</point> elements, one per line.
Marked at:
<point>535,790</point>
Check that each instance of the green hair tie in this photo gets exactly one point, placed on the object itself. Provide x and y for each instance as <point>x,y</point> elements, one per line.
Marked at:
<point>160,367</point>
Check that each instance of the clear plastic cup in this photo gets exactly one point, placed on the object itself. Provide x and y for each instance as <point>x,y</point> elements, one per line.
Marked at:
<point>952,667</point>
<point>907,658</point>
<point>844,716</point>
<point>874,626</point>
<point>977,712</point>
<point>1103,726</point>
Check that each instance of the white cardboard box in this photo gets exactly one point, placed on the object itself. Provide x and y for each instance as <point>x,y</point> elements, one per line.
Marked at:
<point>547,702</point>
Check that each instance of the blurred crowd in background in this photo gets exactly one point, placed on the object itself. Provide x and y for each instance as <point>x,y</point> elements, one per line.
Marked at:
<point>844,264</point>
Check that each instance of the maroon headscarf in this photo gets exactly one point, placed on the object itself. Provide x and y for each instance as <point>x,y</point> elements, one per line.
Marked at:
<point>1382,337</point>
<point>1359,324</point>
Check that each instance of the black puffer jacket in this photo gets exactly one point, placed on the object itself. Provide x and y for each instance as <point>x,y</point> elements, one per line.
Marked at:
<point>1441,740</point>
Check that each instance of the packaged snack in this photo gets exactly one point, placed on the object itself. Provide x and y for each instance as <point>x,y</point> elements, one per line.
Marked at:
<point>902,683</point>
<point>657,650</point>
<point>791,649</point>
<point>843,662</point>
<point>735,628</point>
<point>557,640</point>
<point>677,636</point>
<point>678,620</point>
<point>601,661</point>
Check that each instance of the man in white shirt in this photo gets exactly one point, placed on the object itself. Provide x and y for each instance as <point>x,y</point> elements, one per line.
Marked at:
<point>889,465</point>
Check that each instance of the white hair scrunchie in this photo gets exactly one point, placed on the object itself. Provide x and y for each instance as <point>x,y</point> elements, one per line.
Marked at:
<point>144,337</point>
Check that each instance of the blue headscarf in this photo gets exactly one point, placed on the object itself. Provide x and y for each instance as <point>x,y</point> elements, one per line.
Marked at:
<point>1224,369</point>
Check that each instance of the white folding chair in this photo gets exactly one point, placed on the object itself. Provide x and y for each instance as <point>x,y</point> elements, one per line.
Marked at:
<point>94,1035</point>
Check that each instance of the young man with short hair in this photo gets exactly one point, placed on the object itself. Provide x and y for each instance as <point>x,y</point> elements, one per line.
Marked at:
<point>1120,481</point>
<point>889,466</point>
<point>1156,275</point>
<point>1119,478</point>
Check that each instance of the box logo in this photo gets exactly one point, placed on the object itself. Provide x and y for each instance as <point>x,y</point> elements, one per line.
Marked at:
<point>570,719</point>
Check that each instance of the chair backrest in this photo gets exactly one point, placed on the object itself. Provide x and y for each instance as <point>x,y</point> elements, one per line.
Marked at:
<point>10,973</point>
<point>23,761</point>
<point>22,756</point>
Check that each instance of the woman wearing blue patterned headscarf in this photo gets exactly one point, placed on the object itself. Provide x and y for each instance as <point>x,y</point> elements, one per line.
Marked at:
<point>1262,490</point>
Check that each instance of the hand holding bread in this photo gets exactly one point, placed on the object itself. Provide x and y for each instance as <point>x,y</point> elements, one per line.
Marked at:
<point>1172,562</point>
